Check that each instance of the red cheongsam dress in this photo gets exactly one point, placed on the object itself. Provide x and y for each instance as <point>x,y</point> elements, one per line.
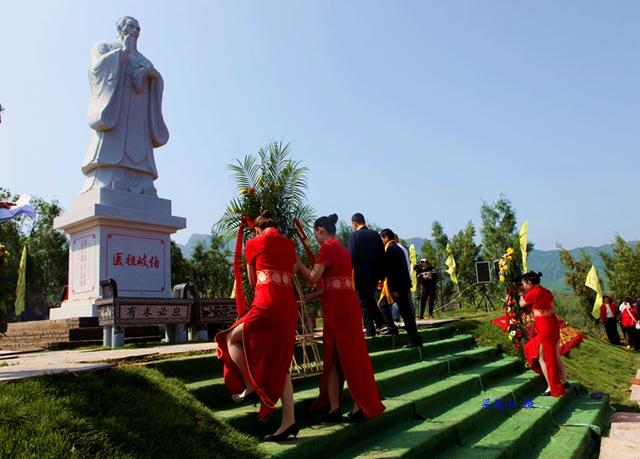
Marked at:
<point>270,324</point>
<point>548,335</point>
<point>342,333</point>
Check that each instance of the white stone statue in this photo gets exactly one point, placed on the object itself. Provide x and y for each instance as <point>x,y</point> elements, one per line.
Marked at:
<point>125,114</point>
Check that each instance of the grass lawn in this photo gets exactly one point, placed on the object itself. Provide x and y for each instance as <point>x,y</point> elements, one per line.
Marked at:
<point>124,412</point>
<point>598,365</point>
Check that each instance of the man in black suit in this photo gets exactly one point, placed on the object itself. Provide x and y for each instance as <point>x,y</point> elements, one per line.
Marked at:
<point>398,284</point>
<point>427,277</point>
<point>367,254</point>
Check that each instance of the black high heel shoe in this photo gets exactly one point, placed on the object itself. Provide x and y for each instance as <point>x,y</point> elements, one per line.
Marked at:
<point>293,430</point>
<point>250,397</point>
<point>546,393</point>
<point>333,416</point>
<point>358,416</point>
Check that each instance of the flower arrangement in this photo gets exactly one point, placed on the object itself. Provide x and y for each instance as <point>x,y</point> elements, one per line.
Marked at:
<point>509,276</point>
<point>503,265</point>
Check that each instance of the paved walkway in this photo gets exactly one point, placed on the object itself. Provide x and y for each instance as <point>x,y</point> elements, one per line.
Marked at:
<point>22,365</point>
<point>623,441</point>
<point>27,365</point>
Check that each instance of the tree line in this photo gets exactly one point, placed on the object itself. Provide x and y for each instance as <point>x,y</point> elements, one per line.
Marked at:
<point>210,266</point>
<point>47,259</point>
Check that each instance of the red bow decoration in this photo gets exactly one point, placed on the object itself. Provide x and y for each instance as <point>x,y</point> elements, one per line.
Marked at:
<point>303,239</point>
<point>241,304</point>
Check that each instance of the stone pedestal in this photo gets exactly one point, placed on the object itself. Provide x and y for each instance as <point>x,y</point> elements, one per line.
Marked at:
<point>119,235</point>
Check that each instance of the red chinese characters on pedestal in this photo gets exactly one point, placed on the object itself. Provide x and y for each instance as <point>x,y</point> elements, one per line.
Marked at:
<point>131,259</point>
<point>83,263</point>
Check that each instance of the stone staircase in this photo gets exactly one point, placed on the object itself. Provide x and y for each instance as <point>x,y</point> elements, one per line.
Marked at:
<point>452,399</point>
<point>66,334</point>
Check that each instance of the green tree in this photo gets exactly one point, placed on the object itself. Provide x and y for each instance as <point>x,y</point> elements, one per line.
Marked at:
<point>210,268</point>
<point>498,228</point>
<point>623,269</point>
<point>465,252</point>
<point>47,258</point>
<point>500,232</point>
<point>343,231</point>
<point>179,265</point>
<point>435,251</point>
<point>10,239</point>
<point>575,276</point>
<point>269,181</point>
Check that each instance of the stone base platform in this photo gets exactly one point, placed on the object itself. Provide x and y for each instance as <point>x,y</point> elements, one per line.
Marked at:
<point>65,333</point>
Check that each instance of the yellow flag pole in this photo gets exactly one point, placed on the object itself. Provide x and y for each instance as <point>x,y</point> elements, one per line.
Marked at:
<point>523,244</point>
<point>414,260</point>
<point>593,282</point>
<point>21,287</point>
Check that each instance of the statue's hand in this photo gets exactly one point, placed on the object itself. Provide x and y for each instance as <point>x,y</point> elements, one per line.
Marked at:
<point>138,78</point>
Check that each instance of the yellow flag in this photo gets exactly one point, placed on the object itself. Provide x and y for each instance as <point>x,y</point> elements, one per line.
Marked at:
<point>413,259</point>
<point>451,266</point>
<point>22,283</point>
<point>593,282</point>
<point>523,244</point>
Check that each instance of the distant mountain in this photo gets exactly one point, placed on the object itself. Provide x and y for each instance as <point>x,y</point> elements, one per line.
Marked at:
<point>188,248</point>
<point>418,242</point>
<point>548,262</point>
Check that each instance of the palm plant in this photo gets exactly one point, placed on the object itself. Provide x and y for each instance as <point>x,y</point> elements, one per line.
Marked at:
<point>269,181</point>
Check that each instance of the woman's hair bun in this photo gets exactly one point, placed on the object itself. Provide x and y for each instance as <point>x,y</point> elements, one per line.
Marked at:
<point>333,218</point>
<point>539,274</point>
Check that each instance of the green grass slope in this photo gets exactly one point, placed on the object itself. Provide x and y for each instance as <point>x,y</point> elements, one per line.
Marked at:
<point>598,365</point>
<point>124,412</point>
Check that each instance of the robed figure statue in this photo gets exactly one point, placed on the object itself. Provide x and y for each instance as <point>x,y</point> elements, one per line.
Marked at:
<point>125,114</point>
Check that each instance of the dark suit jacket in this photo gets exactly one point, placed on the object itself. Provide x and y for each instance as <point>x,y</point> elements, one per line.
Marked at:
<point>395,269</point>
<point>367,254</point>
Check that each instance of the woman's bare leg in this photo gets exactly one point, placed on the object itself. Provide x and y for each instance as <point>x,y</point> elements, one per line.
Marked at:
<point>236,352</point>
<point>543,366</point>
<point>288,416</point>
<point>333,388</point>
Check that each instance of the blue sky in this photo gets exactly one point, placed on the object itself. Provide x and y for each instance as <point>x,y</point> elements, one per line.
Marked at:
<point>408,111</point>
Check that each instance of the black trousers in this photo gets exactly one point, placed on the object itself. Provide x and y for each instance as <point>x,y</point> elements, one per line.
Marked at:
<point>404,306</point>
<point>427,295</point>
<point>371,315</point>
<point>611,326</point>
<point>632,336</point>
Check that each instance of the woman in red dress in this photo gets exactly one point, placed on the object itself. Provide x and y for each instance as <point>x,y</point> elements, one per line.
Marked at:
<point>257,350</point>
<point>609,317</point>
<point>543,351</point>
<point>345,350</point>
<point>629,322</point>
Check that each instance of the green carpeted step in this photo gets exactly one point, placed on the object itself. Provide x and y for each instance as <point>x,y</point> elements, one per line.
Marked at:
<point>461,419</point>
<point>576,430</point>
<point>391,382</point>
<point>190,369</point>
<point>510,430</point>
<point>212,392</point>
<point>384,359</point>
<point>402,408</point>
<point>380,343</point>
